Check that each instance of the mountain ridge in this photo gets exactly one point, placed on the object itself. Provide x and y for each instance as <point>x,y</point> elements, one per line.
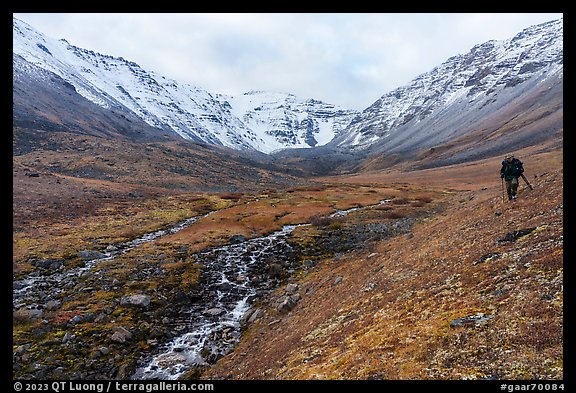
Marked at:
<point>189,111</point>
<point>465,94</point>
<point>467,98</point>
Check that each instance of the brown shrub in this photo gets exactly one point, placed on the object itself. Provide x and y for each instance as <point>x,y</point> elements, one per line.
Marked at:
<point>539,335</point>
<point>321,220</point>
<point>400,201</point>
<point>235,196</point>
<point>424,198</point>
<point>393,215</point>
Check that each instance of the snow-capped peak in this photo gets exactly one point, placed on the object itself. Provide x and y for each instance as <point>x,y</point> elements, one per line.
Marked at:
<point>254,121</point>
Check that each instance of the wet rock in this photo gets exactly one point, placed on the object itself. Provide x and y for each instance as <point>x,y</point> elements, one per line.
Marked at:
<point>90,254</point>
<point>49,264</point>
<point>140,301</point>
<point>470,320</point>
<point>121,335</point>
<point>214,311</point>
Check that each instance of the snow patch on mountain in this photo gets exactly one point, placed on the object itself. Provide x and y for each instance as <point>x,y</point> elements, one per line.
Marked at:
<point>462,84</point>
<point>262,121</point>
<point>282,120</point>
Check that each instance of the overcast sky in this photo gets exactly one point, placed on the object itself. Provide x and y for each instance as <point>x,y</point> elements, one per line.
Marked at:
<point>346,59</point>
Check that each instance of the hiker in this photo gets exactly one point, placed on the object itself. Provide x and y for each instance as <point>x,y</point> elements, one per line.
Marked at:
<point>512,169</point>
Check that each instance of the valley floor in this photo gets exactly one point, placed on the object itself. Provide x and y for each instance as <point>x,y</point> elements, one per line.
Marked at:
<point>436,277</point>
<point>472,292</point>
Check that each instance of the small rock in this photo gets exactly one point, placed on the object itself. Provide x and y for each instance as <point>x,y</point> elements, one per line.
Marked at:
<point>27,314</point>
<point>257,313</point>
<point>141,301</point>
<point>235,239</point>
<point>214,311</point>
<point>286,304</point>
<point>471,319</point>
<point>308,264</point>
<point>274,322</point>
<point>291,288</point>
<point>121,335</point>
<point>515,235</point>
<point>52,304</point>
<point>90,254</point>
<point>68,337</point>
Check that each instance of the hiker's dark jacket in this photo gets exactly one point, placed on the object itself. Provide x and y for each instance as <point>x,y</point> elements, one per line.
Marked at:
<point>511,169</point>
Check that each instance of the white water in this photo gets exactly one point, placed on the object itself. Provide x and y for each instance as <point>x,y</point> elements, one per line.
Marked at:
<point>204,336</point>
<point>33,281</point>
<point>204,327</point>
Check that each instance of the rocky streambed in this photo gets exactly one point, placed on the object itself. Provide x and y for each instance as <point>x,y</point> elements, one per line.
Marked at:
<point>178,332</point>
<point>234,277</point>
<point>51,278</point>
<point>181,330</point>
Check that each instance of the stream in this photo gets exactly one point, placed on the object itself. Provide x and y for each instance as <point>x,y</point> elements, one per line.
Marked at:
<point>31,289</point>
<point>233,277</point>
<point>236,276</point>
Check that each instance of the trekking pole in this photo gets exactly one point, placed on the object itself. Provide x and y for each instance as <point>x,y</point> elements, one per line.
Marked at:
<point>502,189</point>
<point>526,180</point>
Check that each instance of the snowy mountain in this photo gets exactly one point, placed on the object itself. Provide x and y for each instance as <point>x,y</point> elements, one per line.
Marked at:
<point>245,123</point>
<point>281,120</point>
<point>466,91</point>
<point>499,96</point>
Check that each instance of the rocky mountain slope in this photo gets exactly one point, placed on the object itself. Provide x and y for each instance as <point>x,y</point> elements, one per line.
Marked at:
<point>261,122</point>
<point>500,95</point>
<point>284,121</point>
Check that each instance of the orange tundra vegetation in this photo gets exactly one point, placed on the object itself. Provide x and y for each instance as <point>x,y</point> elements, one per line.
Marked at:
<point>468,294</point>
